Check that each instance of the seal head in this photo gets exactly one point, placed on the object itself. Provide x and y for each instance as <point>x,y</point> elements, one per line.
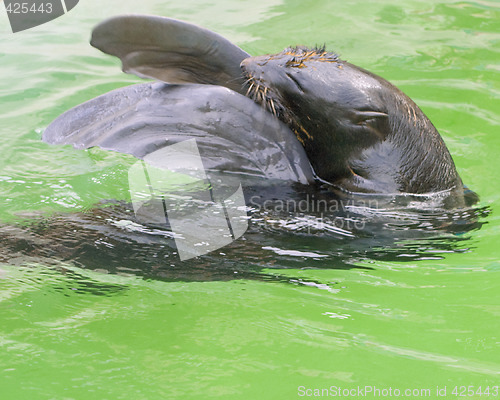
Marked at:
<point>360,132</point>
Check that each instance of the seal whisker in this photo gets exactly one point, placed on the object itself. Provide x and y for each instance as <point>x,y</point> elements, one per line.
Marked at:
<point>249,89</point>
<point>233,80</point>
<point>263,97</point>
<point>272,106</point>
<point>255,95</point>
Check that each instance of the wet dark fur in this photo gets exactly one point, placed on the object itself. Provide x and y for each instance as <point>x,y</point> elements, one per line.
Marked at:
<point>268,98</point>
<point>387,145</point>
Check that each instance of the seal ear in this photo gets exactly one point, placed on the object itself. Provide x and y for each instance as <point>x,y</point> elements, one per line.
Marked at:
<point>170,50</point>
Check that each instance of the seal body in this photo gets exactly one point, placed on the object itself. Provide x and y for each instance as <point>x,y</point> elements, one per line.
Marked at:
<point>259,123</point>
<point>360,132</point>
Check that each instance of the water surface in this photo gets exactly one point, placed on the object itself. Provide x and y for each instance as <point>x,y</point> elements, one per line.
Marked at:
<point>278,310</point>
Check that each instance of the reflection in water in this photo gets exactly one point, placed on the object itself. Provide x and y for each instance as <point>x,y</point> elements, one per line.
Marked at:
<point>288,228</point>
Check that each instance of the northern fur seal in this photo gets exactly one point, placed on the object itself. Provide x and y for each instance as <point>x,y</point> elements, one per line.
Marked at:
<point>359,132</point>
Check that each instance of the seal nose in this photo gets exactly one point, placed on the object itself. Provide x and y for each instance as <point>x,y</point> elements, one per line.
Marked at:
<point>249,68</point>
<point>252,68</point>
<point>245,63</point>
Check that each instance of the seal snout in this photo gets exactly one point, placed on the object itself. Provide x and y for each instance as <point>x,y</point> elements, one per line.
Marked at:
<point>251,69</point>
<point>256,86</point>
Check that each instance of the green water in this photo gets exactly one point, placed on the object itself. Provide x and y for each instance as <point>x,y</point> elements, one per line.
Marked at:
<point>71,333</point>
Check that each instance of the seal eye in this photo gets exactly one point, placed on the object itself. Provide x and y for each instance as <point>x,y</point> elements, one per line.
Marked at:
<point>362,117</point>
<point>373,121</point>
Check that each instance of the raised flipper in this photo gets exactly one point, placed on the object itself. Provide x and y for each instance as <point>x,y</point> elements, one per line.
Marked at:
<point>170,50</point>
<point>232,132</point>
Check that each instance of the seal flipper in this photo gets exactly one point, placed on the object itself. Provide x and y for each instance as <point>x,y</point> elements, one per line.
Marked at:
<point>170,50</point>
<point>233,134</point>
